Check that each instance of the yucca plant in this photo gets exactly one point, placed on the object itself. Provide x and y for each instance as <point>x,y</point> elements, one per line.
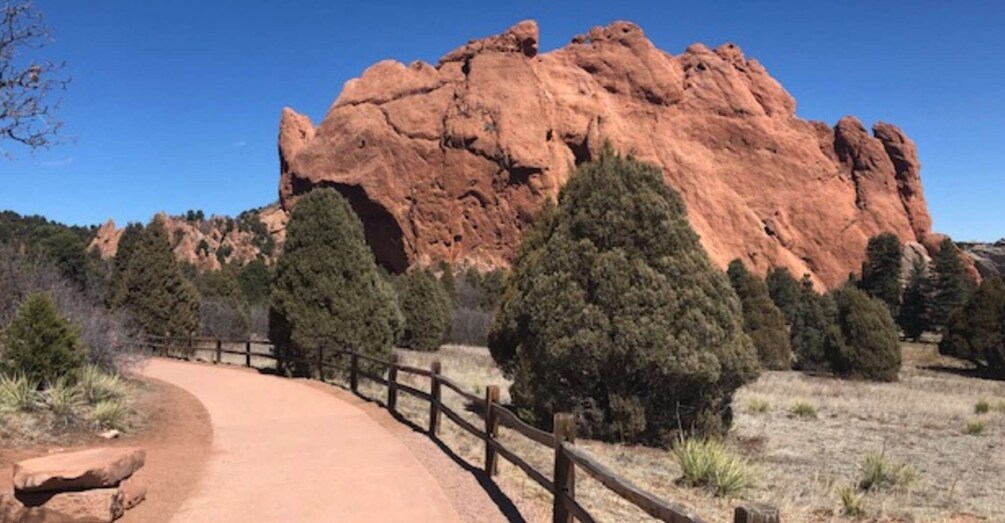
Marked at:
<point>878,472</point>
<point>852,501</point>
<point>63,400</point>
<point>18,393</point>
<point>802,409</point>
<point>97,386</point>
<point>709,464</point>
<point>111,414</point>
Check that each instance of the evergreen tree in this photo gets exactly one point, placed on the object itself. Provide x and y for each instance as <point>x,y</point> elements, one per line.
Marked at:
<point>116,280</point>
<point>448,282</point>
<point>868,346</point>
<point>39,343</point>
<point>254,280</point>
<point>327,292</point>
<point>950,284</point>
<point>427,310</point>
<point>881,270</point>
<point>155,293</point>
<point>614,312</point>
<point>813,332</point>
<point>784,291</point>
<point>976,331</point>
<point>913,317</point>
<point>762,320</point>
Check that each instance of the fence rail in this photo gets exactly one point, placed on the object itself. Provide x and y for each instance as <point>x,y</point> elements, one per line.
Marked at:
<point>567,457</point>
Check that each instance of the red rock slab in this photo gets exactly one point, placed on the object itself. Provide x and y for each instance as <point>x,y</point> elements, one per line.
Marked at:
<point>86,469</point>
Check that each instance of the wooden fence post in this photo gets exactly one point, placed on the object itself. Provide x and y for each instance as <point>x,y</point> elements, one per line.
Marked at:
<point>247,353</point>
<point>321,368</point>
<point>392,384</point>
<point>434,401</point>
<point>191,348</point>
<point>219,350</point>
<point>491,430</point>
<point>353,371</point>
<point>756,513</point>
<point>565,471</point>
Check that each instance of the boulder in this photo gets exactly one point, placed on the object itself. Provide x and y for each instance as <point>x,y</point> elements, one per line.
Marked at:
<point>101,505</point>
<point>134,491</point>
<point>86,469</point>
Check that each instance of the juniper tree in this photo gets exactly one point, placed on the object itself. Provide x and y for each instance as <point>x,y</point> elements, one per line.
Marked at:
<point>868,345</point>
<point>813,332</point>
<point>614,312</point>
<point>762,320</point>
<point>39,343</point>
<point>950,284</point>
<point>116,280</point>
<point>327,292</point>
<point>976,331</point>
<point>427,310</point>
<point>881,270</point>
<point>914,314</point>
<point>784,291</point>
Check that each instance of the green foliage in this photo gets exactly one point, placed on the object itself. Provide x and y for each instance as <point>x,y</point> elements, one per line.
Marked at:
<point>254,280</point>
<point>111,414</point>
<point>982,407</point>
<point>250,221</point>
<point>448,282</point>
<point>327,291</point>
<point>869,345</point>
<point>97,386</point>
<point>762,320</point>
<point>128,242</point>
<point>950,284</point>
<point>427,310</point>
<point>18,393</point>
<point>784,291</point>
<point>881,270</point>
<point>879,473</point>
<point>914,314</point>
<point>154,291</point>
<point>41,344</point>
<point>614,312</point>
<point>813,331</point>
<point>975,427</point>
<point>223,252</point>
<point>491,288</point>
<point>195,216</point>
<point>63,400</point>
<point>852,501</point>
<point>709,464</point>
<point>203,248</point>
<point>758,406</point>
<point>802,409</point>
<point>976,331</point>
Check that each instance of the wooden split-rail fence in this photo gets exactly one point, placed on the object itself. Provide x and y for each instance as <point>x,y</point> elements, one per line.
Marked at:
<point>562,484</point>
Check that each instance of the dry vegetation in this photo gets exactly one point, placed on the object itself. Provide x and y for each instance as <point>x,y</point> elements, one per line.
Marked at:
<point>810,467</point>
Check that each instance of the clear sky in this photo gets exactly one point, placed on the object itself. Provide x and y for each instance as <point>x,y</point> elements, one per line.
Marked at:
<point>174,105</point>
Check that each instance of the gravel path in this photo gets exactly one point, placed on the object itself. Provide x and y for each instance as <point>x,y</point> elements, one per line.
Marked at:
<point>283,451</point>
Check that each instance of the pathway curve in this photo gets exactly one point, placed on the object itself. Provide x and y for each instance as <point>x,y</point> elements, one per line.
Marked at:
<point>283,451</point>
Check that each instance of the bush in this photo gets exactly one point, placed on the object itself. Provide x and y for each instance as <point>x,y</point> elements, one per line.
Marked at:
<point>976,331</point>
<point>869,346</point>
<point>708,464</point>
<point>950,284</point>
<point>614,312</point>
<point>758,406</point>
<point>762,320</point>
<point>41,344</point>
<point>64,400</point>
<point>327,291</point>
<point>813,331</point>
<point>914,309</point>
<point>18,393</point>
<point>111,414</point>
<point>97,386</point>
<point>982,407</point>
<point>975,427</point>
<point>784,291</point>
<point>427,309</point>
<point>878,473</point>
<point>852,501</point>
<point>881,270</point>
<point>801,409</point>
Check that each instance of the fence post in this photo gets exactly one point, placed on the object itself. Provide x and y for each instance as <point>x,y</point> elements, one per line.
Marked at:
<point>565,472</point>
<point>219,349</point>
<point>392,384</point>
<point>191,348</point>
<point>756,513</point>
<point>353,371</point>
<point>247,353</point>
<point>321,368</point>
<point>491,430</point>
<point>434,401</point>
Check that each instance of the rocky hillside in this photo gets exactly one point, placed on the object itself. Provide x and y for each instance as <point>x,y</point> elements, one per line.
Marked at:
<point>206,243</point>
<point>989,258</point>
<point>451,161</point>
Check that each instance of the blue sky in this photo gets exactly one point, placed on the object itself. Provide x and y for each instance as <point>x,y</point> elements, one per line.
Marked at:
<point>175,105</point>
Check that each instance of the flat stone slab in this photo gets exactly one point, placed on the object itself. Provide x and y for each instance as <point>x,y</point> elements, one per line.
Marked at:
<point>85,469</point>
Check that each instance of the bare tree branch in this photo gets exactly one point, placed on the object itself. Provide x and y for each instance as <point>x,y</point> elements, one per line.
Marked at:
<point>27,112</point>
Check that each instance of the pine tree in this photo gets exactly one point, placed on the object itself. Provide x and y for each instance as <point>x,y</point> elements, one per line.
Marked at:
<point>913,317</point>
<point>976,331</point>
<point>762,320</point>
<point>327,292</point>
<point>881,270</point>
<point>39,343</point>
<point>614,312</point>
<point>448,282</point>
<point>784,291</point>
<point>950,284</point>
<point>813,332</point>
<point>154,292</point>
<point>427,310</point>
<point>130,237</point>
<point>868,346</point>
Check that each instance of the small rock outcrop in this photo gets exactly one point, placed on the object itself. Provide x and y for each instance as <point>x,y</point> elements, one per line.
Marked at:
<point>452,161</point>
<point>988,258</point>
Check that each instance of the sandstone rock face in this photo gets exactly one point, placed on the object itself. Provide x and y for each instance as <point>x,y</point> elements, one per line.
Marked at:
<point>988,258</point>
<point>86,469</point>
<point>452,161</point>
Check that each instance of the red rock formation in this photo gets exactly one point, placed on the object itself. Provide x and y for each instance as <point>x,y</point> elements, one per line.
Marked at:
<point>450,162</point>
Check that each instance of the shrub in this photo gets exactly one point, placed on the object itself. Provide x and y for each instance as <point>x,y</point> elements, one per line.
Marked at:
<point>950,284</point>
<point>881,270</point>
<point>802,409</point>
<point>878,473</point>
<point>427,309</point>
<point>974,427</point>
<point>758,406</point>
<point>982,407</point>
<point>97,386</point>
<point>614,312</point>
<point>762,320</point>
<point>813,332</point>
<point>976,331</point>
<point>327,291</point>
<point>708,464</point>
<point>784,291</point>
<point>869,345</point>
<point>914,314</point>
<point>111,414</point>
<point>41,344</point>
<point>63,400</point>
<point>852,501</point>
<point>18,393</point>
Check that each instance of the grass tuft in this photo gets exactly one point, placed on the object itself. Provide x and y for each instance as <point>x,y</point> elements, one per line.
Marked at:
<point>98,386</point>
<point>975,427</point>
<point>18,393</point>
<point>802,409</point>
<point>63,400</point>
<point>111,414</point>
<point>852,501</point>
<point>982,407</point>
<point>758,407</point>
<point>880,473</point>
<point>709,464</point>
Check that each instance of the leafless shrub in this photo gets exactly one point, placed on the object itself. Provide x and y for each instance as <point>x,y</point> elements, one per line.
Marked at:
<point>223,318</point>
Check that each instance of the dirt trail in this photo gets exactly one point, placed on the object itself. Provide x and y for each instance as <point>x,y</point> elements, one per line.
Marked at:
<point>283,451</point>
